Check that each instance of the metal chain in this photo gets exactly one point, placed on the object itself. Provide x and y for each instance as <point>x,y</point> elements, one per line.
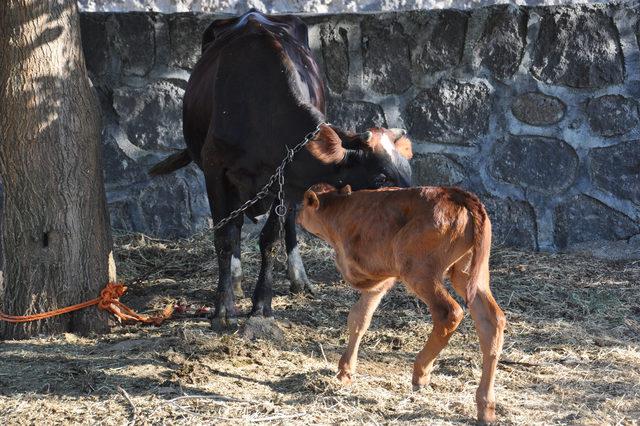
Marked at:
<point>281,209</point>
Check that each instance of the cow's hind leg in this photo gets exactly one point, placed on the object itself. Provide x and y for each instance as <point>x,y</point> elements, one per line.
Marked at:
<point>358,322</point>
<point>226,239</point>
<point>295,268</point>
<point>264,287</point>
<point>490,323</point>
<point>446,315</point>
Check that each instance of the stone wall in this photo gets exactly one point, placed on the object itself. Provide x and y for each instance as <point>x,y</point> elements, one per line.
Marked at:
<point>533,108</point>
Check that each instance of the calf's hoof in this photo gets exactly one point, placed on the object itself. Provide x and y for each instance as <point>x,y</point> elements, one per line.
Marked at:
<point>345,377</point>
<point>420,382</point>
<point>486,413</point>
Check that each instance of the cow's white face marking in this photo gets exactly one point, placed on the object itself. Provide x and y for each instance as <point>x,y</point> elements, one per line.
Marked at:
<point>387,145</point>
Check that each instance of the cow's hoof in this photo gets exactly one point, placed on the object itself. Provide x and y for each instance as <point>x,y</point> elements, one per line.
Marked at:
<point>345,377</point>
<point>224,324</point>
<point>303,286</point>
<point>224,319</point>
<point>260,311</point>
<point>237,289</point>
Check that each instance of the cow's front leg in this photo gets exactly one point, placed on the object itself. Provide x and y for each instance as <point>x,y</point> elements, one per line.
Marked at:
<point>236,265</point>
<point>295,268</point>
<point>264,287</point>
<point>358,322</point>
<point>227,239</point>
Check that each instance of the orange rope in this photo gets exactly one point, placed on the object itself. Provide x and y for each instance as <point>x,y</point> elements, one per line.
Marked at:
<point>109,300</point>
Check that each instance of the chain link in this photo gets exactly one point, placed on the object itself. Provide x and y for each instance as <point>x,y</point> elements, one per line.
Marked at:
<point>278,176</point>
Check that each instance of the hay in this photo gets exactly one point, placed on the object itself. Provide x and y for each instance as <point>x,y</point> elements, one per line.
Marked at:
<point>572,350</point>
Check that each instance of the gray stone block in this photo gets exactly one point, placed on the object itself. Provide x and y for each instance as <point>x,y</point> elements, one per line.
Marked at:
<point>355,115</point>
<point>577,47</point>
<point>452,112</point>
<point>583,218</point>
<point>538,109</point>
<point>543,164</point>
<point>612,115</point>
<point>185,38</point>
<point>436,170</point>
<point>513,223</point>
<point>335,53</point>
<point>501,45</point>
<point>152,115</point>
<point>172,206</point>
<point>119,167</point>
<point>439,44</point>
<point>135,42</point>
<point>385,53</point>
<point>616,169</point>
<point>96,43</point>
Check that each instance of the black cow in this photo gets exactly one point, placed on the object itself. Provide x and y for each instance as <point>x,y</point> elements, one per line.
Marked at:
<point>255,91</point>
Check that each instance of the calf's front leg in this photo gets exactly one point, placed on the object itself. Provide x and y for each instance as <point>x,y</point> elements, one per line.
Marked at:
<point>358,322</point>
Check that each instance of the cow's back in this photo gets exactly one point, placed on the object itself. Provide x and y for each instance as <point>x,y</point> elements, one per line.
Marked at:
<point>255,79</point>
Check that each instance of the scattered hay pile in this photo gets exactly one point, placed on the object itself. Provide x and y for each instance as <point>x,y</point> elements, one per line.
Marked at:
<point>572,350</point>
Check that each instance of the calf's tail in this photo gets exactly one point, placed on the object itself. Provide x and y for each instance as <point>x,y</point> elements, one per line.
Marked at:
<point>171,163</point>
<point>481,240</point>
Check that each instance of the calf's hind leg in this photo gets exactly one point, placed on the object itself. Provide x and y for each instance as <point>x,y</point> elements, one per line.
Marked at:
<point>358,322</point>
<point>446,316</point>
<point>490,323</point>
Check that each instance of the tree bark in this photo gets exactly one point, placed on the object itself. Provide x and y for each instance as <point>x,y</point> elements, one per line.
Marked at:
<point>54,228</point>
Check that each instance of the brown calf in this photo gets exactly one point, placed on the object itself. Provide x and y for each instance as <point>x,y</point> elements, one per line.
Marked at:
<point>416,235</point>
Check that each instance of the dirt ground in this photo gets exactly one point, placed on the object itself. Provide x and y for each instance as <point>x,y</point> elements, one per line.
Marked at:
<point>572,351</point>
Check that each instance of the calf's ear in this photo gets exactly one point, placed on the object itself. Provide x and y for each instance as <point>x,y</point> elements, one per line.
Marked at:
<point>311,200</point>
<point>346,190</point>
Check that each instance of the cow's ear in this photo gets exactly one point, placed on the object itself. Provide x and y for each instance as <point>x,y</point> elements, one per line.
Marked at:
<point>402,142</point>
<point>346,190</point>
<point>352,140</point>
<point>403,146</point>
<point>311,200</point>
<point>327,146</point>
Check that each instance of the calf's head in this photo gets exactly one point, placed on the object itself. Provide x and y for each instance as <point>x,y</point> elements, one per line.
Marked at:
<point>314,207</point>
<point>373,159</point>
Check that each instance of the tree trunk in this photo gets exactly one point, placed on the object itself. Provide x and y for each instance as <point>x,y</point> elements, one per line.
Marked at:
<point>55,227</point>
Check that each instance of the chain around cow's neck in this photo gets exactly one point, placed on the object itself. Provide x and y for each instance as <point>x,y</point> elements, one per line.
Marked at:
<point>281,208</point>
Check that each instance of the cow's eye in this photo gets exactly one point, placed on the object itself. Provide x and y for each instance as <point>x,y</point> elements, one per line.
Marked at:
<point>381,179</point>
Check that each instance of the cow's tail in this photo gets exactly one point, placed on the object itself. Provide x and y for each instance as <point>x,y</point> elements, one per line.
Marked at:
<point>171,163</point>
<point>481,241</point>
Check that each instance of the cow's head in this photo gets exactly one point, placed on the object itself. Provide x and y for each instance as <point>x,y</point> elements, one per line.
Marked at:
<point>373,159</point>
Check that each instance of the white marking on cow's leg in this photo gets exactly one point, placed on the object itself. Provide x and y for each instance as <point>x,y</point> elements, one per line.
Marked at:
<point>236,276</point>
<point>296,272</point>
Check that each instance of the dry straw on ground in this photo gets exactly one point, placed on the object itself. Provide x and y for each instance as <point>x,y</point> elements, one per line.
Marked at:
<point>572,351</point>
